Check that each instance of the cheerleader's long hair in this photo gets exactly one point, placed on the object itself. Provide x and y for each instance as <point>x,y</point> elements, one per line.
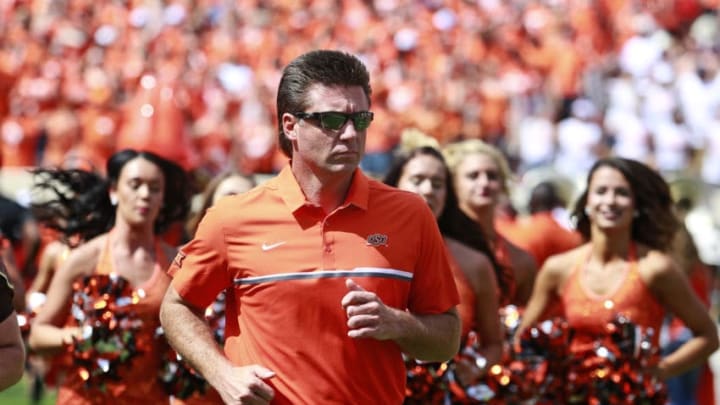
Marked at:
<point>77,203</point>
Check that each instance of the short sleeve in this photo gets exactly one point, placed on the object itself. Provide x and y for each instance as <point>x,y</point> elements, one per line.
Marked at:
<point>199,269</point>
<point>433,287</point>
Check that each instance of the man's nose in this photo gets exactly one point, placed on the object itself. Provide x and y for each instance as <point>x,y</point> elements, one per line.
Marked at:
<point>348,130</point>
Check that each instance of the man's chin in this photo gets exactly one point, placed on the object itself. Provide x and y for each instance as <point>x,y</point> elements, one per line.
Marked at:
<point>343,165</point>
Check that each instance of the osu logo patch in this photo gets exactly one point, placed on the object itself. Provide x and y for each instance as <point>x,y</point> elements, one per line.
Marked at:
<point>377,239</point>
<point>179,259</point>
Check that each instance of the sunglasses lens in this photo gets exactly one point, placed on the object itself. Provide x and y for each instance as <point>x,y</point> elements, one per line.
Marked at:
<point>332,120</point>
<point>336,120</point>
<point>362,120</point>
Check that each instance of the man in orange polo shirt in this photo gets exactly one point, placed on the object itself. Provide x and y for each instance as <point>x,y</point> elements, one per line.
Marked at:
<point>331,275</point>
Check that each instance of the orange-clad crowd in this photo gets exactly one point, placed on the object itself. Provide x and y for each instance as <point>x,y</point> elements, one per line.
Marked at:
<point>193,80</point>
<point>156,100</point>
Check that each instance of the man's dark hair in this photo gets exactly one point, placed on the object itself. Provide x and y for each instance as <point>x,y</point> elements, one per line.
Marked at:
<point>325,67</point>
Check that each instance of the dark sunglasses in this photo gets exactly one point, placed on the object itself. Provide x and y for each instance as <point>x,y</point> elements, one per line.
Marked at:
<point>335,119</point>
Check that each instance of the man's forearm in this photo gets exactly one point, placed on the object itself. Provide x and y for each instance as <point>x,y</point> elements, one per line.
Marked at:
<point>433,337</point>
<point>189,334</point>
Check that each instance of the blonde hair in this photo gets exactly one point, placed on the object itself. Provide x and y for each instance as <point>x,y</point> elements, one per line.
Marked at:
<point>413,138</point>
<point>456,152</point>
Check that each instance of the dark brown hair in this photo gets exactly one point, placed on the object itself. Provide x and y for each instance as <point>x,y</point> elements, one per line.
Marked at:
<point>655,223</point>
<point>79,204</point>
<point>325,67</point>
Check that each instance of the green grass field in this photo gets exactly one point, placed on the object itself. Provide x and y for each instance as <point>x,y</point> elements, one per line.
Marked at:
<point>18,395</point>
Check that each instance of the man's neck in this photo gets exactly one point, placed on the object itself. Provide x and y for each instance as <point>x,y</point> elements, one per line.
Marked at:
<point>327,191</point>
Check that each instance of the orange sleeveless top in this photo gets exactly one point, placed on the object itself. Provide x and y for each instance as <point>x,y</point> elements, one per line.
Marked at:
<point>62,362</point>
<point>138,382</point>
<point>466,308</point>
<point>589,313</point>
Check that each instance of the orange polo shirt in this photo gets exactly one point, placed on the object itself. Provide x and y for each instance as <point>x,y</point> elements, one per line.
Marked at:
<point>287,261</point>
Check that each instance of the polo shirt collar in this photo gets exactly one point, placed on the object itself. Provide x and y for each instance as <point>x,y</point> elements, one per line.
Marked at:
<point>291,192</point>
<point>359,191</point>
<point>294,197</point>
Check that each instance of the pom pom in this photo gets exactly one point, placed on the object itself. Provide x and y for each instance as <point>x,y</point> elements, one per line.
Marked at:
<point>103,307</point>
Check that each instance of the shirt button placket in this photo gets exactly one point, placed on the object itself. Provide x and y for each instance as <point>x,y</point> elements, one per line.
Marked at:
<point>328,256</point>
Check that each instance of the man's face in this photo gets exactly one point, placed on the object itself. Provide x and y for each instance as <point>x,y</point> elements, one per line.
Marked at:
<point>326,150</point>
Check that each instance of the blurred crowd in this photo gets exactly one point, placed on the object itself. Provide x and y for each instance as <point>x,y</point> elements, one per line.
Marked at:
<point>194,80</point>
<point>555,84</point>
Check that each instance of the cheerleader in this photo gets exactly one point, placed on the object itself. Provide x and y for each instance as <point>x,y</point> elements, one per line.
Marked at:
<point>143,194</point>
<point>480,178</point>
<point>423,171</point>
<point>625,216</point>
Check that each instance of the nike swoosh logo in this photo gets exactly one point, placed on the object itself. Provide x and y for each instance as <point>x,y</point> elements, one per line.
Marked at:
<point>265,247</point>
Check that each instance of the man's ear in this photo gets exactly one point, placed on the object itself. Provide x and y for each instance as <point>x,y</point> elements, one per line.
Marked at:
<point>289,124</point>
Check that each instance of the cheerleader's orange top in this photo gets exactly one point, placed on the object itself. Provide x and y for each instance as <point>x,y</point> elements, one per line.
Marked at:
<point>588,313</point>
<point>60,363</point>
<point>138,382</point>
<point>467,306</point>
